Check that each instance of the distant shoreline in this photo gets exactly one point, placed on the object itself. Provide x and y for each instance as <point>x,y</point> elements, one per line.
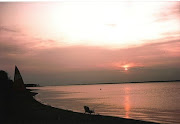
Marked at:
<point>165,81</point>
<point>133,82</point>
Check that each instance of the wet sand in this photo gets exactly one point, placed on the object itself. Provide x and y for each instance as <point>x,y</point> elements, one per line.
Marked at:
<point>24,109</point>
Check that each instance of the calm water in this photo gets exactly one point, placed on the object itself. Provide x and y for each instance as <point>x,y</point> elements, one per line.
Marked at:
<point>156,102</point>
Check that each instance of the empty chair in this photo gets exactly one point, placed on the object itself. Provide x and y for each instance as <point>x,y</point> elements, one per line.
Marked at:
<point>87,110</point>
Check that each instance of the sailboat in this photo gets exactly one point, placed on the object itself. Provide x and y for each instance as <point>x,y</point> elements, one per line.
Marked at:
<point>18,81</point>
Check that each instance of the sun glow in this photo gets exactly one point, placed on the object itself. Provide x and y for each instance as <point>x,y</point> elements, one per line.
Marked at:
<point>125,67</point>
<point>109,24</point>
<point>103,26</point>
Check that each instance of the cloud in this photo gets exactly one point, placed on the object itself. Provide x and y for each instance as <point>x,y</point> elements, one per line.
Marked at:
<point>44,44</point>
<point>42,53</point>
<point>7,29</point>
<point>10,48</point>
<point>11,43</point>
<point>169,12</point>
<point>48,59</point>
<point>97,58</point>
<point>21,43</point>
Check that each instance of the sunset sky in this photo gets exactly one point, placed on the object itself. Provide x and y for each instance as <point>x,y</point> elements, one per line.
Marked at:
<point>55,43</point>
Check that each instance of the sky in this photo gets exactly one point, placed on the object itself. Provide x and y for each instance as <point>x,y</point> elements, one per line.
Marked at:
<point>59,43</point>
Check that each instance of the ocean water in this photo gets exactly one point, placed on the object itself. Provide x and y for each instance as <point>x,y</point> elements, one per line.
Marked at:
<point>156,102</point>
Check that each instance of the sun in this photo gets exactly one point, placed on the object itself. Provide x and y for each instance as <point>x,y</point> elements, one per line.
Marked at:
<point>122,66</point>
<point>125,67</point>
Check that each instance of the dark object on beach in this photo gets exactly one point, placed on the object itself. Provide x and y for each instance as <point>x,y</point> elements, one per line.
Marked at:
<point>87,110</point>
<point>18,82</point>
<point>5,94</point>
<point>5,82</point>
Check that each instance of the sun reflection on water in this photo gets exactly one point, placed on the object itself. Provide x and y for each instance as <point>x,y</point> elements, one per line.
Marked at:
<point>127,103</point>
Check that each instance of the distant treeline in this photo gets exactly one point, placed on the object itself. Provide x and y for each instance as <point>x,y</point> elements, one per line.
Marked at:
<point>156,81</point>
<point>31,85</point>
<point>130,82</point>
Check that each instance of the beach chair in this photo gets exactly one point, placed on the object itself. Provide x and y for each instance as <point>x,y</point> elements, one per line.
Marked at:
<point>87,110</point>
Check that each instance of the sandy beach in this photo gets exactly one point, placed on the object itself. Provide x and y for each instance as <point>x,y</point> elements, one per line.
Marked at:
<point>24,109</point>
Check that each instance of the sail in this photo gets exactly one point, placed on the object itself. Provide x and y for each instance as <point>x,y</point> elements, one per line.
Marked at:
<point>18,81</point>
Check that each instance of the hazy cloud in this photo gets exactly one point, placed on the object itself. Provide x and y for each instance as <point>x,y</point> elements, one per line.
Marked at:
<point>78,64</point>
<point>34,48</point>
<point>49,59</point>
<point>7,29</point>
<point>169,12</point>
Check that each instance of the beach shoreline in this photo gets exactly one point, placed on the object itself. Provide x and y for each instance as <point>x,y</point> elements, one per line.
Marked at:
<point>25,109</point>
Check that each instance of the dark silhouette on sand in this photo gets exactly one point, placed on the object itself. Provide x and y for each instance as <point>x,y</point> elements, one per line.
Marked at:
<point>18,81</point>
<point>5,82</point>
<point>87,110</point>
<point>6,85</point>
